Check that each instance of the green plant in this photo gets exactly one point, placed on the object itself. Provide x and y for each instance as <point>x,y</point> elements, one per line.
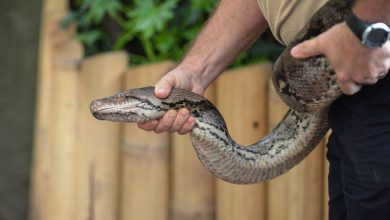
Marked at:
<point>149,30</point>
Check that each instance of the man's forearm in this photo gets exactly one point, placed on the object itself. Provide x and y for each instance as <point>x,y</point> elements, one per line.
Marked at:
<point>234,26</point>
<point>373,10</point>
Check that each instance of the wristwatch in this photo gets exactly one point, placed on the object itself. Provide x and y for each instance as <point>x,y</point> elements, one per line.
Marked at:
<point>371,34</point>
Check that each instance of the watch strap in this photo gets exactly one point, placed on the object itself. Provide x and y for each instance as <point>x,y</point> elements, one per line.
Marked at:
<point>356,25</point>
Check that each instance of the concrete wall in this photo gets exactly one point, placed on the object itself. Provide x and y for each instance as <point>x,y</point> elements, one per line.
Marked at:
<point>19,34</point>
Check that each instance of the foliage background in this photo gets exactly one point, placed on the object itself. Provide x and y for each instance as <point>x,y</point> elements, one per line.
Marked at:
<point>152,30</point>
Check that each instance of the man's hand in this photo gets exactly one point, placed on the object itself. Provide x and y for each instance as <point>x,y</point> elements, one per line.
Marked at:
<point>232,28</point>
<point>181,121</point>
<point>354,64</point>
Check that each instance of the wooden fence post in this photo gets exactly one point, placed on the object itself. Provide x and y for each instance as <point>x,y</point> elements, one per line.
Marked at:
<point>241,98</point>
<point>98,158</point>
<point>290,195</point>
<point>55,58</point>
<point>146,159</point>
<point>193,186</point>
<point>66,127</point>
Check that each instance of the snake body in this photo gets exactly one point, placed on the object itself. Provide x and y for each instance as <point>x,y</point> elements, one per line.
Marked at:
<point>307,86</point>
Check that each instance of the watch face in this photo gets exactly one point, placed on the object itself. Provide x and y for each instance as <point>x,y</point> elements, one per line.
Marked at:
<point>376,35</point>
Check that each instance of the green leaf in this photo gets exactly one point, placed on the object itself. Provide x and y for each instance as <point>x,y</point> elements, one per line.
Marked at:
<point>97,9</point>
<point>149,17</point>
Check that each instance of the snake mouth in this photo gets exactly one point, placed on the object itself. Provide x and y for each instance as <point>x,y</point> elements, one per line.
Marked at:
<point>116,114</point>
<point>114,117</point>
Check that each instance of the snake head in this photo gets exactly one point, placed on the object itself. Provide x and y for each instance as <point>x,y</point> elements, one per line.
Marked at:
<point>135,105</point>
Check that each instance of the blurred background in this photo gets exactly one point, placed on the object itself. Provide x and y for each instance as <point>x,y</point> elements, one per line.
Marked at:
<point>57,162</point>
<point>20,25</point>
<point>151,30</point>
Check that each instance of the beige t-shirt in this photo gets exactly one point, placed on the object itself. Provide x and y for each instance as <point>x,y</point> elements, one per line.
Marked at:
<point>287,17</point>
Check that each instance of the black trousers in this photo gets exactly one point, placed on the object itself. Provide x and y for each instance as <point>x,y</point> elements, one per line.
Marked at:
<point>359,154</point>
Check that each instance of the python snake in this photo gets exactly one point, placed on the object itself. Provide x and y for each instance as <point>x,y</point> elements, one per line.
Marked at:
<point>308,87</point>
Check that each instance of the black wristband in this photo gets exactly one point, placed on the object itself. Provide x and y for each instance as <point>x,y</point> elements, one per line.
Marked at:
<point>371,35</point>
<point>356,25</point>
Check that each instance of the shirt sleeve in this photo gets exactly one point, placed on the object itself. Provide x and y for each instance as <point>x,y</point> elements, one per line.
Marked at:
<point>287,17</point>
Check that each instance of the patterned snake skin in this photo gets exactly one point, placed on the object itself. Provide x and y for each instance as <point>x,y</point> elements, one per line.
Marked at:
<point>307,86</point>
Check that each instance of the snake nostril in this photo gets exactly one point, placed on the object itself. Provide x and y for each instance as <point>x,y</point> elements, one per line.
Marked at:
<point>94,106</point>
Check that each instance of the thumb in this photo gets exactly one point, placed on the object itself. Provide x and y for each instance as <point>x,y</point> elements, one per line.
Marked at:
<point>163,87</point>
<point>306,49</point>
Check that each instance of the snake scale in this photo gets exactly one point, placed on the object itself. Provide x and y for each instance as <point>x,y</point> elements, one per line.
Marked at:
<point>308,87</point>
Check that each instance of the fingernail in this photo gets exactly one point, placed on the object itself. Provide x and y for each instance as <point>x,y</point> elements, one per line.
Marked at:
<point>191,119</point>
<point>295,51</point>
<point>352,89</point>
<point>160,91</point>
<point>183,112</point>
<point>355,88</point>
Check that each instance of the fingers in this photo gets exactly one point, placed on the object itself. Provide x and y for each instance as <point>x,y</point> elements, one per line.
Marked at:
<point>187,127</point>
<point>352,83</point>
<point>166,122</point>
<point>365,79</point>
<point>354,64</point>
<point>181,122</point>
<point>306,49</point>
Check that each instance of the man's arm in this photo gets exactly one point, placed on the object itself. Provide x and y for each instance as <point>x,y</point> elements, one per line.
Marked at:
<point>234,26</point>
<point>354,63</point>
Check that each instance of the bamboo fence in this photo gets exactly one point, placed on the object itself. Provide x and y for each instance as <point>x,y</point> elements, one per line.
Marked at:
<point>89,169</point>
